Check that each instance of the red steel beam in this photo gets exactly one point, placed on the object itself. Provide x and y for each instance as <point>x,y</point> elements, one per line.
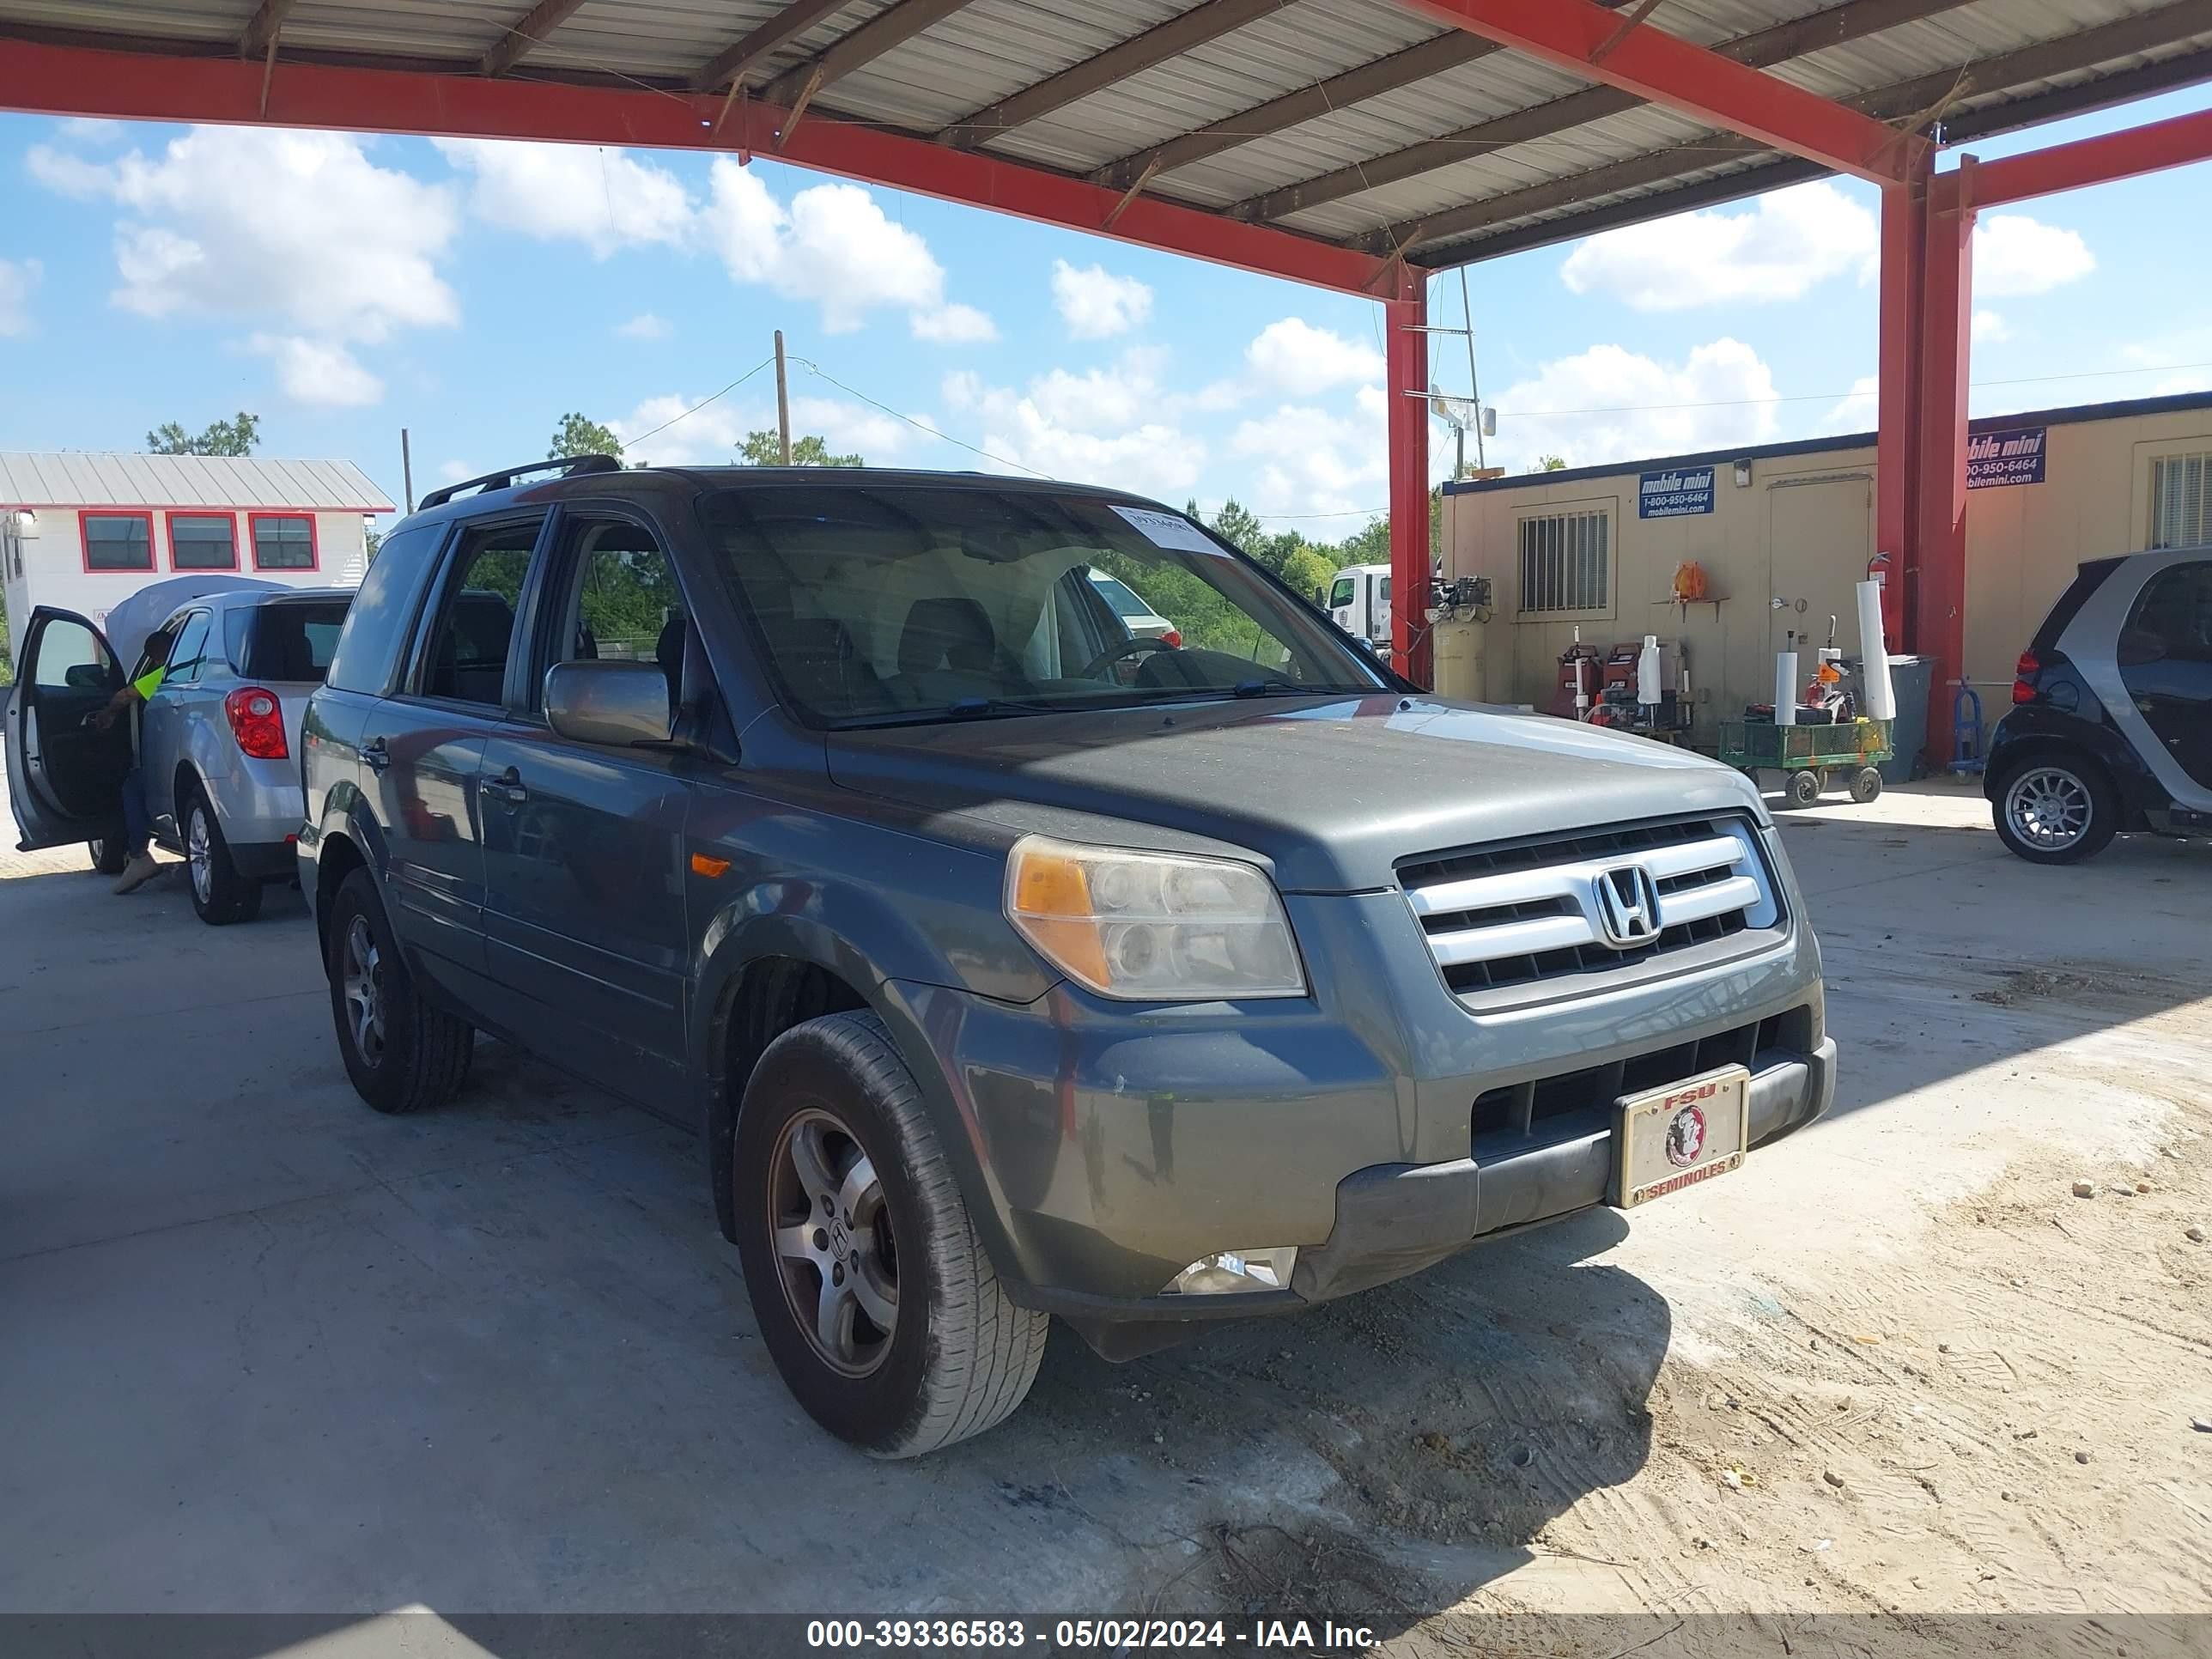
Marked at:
<point>59,80</point>
<point>1664,69</point>
<point>1939,479</point>
<point>2127,153</point>
<point>1406,373</point>
<point>1903,238</point>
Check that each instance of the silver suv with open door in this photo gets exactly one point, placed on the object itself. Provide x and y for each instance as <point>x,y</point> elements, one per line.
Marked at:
<point>217,745</point>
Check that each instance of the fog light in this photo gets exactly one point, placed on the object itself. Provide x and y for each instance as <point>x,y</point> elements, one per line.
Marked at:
<point>1232,1270</point>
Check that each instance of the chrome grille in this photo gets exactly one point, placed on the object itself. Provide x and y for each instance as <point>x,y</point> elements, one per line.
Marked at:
<point>1509,915</point>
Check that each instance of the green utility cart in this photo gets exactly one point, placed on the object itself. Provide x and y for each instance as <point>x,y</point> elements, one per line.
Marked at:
<point>1805,754</point>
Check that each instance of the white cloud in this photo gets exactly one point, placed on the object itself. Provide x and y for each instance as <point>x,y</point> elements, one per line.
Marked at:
<point>1097,305</point>
<point>274,225</point>
<point>646,325</point>
<point>1294,357</point>
<point>318,372</point>
<point>833,246</point>
<point>1989,328</point>
<point>954,325</point>
<point>710,437</point>
<point>17,278</point>
<point>1781,248</point>
<point>575,192</point>
<point>88,130</point>
<point>457,471</point>
<point>1312,461</point>
<point>1627,405</point>
<point>1857,412</point>
<point>2016,255</point>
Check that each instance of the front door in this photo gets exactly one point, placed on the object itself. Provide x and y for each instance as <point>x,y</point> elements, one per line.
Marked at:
<point>584,851</point>
<point>2165,663</point>
<point>422,747</point>
<point>65,768</point>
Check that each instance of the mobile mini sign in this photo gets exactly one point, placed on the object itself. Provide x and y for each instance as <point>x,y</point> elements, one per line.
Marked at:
<point>2013,456</point>
<point>1676,493</point>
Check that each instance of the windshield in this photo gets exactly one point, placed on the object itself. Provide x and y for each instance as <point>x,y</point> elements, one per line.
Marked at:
<point>901,602</point>
<point>1126,603</point>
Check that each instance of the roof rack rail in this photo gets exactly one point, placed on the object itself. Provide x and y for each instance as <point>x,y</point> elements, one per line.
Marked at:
<point>569,466</point>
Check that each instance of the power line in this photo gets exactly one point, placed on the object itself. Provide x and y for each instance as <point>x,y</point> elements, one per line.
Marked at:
<point>815,368</point>
<point>703,403</point>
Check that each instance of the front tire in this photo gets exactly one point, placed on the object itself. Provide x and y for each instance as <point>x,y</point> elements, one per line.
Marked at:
<point>874,1296</point>
<point>1802,788</point>
<point>402,1053</point>
<point>2057,809</point>
<point>220,895</point>
<point>1866,785</point>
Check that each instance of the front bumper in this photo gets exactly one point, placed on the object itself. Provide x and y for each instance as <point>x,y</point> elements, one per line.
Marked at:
<point>1113,1144</point>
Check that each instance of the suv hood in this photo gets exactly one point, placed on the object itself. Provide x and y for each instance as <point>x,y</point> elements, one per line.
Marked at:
<point>1331,793</point>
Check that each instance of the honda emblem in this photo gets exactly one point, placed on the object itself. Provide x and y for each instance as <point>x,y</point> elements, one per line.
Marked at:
<point>1627,906</point>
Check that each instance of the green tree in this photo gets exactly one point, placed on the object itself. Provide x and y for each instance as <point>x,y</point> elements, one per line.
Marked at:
<point>578,436</point>
<point>372,539</point>
<point>765,449</point>
<point>231,437</point>
<point>1549,463</point>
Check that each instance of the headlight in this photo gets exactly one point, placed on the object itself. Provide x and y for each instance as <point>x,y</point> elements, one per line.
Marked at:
<point>1151,927</point>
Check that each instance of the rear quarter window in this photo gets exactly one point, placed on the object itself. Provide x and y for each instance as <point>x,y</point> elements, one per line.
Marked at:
<point>293,640</point>
<point>377,624</point>
<point>2087,579</point>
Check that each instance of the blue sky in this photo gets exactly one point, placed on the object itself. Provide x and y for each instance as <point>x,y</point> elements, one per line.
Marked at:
<point>341,288</point>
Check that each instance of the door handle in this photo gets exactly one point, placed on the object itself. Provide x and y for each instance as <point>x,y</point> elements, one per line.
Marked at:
<point>506,786</point>
<point>374,755</point>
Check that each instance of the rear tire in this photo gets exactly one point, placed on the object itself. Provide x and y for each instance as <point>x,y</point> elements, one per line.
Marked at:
<point>220,895</point>
<point>2055,808</point>
<point>1802,788</point>
<point>832,1117</point>
<point>108,857</point>
<point>402,1053</point>
<point>1866,785</point>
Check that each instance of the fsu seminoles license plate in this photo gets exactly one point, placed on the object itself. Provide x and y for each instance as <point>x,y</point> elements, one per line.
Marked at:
<point>1680,1135</point>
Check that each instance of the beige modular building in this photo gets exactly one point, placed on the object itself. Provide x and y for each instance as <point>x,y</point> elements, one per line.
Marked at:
<point>1794,522</point>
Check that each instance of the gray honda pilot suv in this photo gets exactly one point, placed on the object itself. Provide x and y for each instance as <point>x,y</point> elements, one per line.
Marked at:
<point>1010,964</point>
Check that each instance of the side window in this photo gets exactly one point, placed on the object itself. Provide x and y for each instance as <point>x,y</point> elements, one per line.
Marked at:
<point>1340,593</point>
<point>70,658</point>
<point>376,624</point>
<point>2173,619</point>
<point>190,650</point>
<point>158,651</point>
<point>617,601</point>
<point>464,658</point>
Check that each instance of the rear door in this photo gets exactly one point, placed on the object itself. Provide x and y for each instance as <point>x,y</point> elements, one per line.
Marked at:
<point>584,850</point>
<point>64,774</point>
<point>2165,663</point>
<point>422,746</point>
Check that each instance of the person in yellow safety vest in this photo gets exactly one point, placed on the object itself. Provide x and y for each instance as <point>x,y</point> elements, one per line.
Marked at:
<point>137,822</point>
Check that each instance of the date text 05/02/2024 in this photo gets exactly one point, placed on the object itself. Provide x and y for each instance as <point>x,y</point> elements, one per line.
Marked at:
<point>1076,1635</point>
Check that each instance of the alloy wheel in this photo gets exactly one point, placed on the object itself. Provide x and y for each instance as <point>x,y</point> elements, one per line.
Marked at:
<point>199,855</point>
<point>2049,808</point>
<point>363,977</point>
<point>833,1246</point>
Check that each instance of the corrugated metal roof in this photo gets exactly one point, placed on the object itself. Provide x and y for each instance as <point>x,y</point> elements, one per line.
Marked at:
<point>90,477</point>
<point>972,56</point>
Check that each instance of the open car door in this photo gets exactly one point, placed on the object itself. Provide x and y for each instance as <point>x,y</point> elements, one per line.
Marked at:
<point>65,774</point>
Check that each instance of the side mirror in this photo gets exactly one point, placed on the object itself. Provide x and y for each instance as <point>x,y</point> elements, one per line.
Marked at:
<point>615,703</point>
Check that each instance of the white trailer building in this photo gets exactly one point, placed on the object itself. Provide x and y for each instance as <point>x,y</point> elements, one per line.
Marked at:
<point>85,530</point>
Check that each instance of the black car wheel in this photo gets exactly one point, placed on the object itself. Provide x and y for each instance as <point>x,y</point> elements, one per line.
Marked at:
<point>402,1053</point>
<point>2056,808</point>
<point>874,1296</point>
<point>220,895</point>
<point>108,857</point>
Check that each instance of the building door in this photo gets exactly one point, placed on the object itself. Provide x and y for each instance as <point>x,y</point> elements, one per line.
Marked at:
<point>1820,536</point>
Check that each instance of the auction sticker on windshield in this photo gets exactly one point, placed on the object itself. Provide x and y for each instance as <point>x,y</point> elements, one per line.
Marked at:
<point>1675,1137</point>
<point>1169,530</point>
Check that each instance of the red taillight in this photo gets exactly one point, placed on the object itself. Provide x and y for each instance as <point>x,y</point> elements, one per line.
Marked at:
<point>1172,638</point>
<point>2026,670</point>
<point>256,720</point>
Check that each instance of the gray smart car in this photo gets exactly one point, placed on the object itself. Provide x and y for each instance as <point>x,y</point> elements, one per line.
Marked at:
<point>1011,964</point>
<point>217,744</point>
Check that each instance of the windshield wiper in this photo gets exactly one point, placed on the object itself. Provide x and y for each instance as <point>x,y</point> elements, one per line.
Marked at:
<point>1292,688</point>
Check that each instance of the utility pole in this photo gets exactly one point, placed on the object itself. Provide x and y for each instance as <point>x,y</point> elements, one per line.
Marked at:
<point>1473,386</point>
<point>406,470</point>
<point>782,403</point>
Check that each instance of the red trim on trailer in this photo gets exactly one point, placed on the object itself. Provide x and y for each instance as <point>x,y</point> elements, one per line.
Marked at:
<point>315,544</point>
<point>2128,154</point>
<point>164,87</point>
<point>1587,40</point>
<point>84,542</point>
<point>169,517</point>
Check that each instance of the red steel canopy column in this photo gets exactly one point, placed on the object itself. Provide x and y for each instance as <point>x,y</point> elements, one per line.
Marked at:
<point>1405,317</point>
